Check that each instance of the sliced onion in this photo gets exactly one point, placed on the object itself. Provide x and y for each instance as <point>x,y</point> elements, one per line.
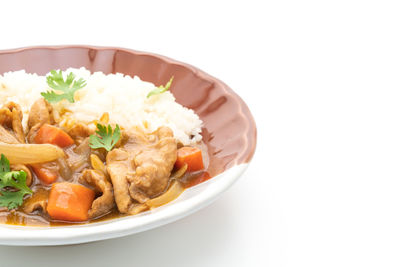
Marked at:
<point>179,173</point>
<point>79,159</point>
<point>97,164</point>
<point>64,168</point>
<point>30,153</point>
<point>105,118</point>
<point>173,192</point>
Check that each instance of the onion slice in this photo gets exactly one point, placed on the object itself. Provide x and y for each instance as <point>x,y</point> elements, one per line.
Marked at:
<point>179,173</point>
<point>173,192</point>
<point>97,164</point>
<point>30,153</point>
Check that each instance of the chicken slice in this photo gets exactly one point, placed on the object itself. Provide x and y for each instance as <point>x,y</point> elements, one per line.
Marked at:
<point>7,137</point>
<point>140,169</point>
<point>105,203</point>
<point>40,113</point>
<point>38,201</point>
<point>79,132</point>
<point>11,118</point>
<point>16,123</point>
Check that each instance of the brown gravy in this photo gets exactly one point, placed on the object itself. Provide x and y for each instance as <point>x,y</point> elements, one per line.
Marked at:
<point>38,218</point>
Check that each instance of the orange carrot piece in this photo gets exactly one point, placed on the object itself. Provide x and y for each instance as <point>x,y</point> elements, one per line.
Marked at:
<point>70,202</point>
<point>45,175</point>
<point>49,134</point>
<point>191,156</point>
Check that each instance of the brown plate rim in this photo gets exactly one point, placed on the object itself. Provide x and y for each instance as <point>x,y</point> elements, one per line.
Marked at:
<point>252,129</point>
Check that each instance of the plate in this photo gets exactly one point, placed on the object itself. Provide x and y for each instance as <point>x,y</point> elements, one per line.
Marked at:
<point>229,131</point>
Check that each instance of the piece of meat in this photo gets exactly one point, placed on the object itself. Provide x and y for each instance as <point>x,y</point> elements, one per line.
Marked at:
<point>7,137</point>
<point>105,203</point>
<point>40,113</point>
<point>5,116</point>
<point>38,201</point>
<point>79,132</point>
<point>11,123</point>
<point>140,169</point>
<point>16,123</point>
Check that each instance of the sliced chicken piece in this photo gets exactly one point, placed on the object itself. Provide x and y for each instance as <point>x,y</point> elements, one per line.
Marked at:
<point>140,169</point>
<point>38,201</point>
<point>5,116</point>
<point>7,136</point>
<point>105,203</point>
<point>40,113</point>
<point>16,123</point>
<point>11,122</point>
<point>79,132</point>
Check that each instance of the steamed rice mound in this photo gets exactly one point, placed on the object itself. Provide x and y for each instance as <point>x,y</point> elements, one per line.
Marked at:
<point>124,98</point>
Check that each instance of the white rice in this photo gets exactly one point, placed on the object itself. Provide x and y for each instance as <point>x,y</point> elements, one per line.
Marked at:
<point>123,97</point>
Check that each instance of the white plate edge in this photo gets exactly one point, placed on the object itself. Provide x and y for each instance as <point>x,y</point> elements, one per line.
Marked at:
<point>47,236</point>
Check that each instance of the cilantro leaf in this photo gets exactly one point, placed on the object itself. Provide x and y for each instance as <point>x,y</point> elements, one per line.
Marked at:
<point>4,164</point>
<point>11,200</point>
<point>13,186</point>
<point>161,89</point>
<point>105,138</point>
<point>69,86</point>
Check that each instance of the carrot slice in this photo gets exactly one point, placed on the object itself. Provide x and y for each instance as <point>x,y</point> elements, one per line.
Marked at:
<point>69,202</point>
<point>46,175</point>
<point>49,134</point>
<point>191,156</point>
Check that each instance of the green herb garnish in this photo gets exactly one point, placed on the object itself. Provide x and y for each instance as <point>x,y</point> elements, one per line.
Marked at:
<point>69,86</point>
<point>13,186</point>
<point>105,138</point>
<point>161,89</point>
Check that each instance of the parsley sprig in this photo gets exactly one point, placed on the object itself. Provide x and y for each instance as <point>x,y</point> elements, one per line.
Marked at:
<point>161,89</point>
<point>69,86</point>
<point>106,137</point>
<point>13,186</point>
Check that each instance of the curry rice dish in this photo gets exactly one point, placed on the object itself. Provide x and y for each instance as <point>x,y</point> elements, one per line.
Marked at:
<point>78,147</point>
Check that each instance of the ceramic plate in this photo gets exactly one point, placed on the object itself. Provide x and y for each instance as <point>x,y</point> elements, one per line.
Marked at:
<point>229,132</point>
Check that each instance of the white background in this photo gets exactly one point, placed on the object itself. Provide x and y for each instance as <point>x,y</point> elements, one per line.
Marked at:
<point>322,81</point>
